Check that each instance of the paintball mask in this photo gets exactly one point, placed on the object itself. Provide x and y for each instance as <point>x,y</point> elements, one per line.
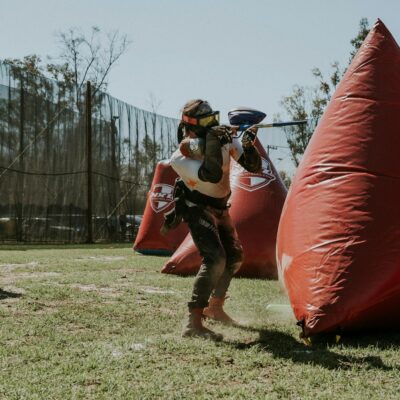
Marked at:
<point>198,116</point>
<point>204,121</point>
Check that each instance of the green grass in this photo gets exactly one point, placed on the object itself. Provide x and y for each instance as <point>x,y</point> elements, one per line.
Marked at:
<point>98,322</point>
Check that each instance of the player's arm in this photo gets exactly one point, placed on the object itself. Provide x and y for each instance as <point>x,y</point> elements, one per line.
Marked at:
<point>211,168</point>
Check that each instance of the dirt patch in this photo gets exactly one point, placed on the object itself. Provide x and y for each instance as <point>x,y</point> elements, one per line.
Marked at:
<point>107,291</point>
<point>167,311</point>
<point>105,258</point>
<point>13,290</point>
<point>155,290</point>
<point>11,279</point>
<point>134,347</point>
<point>12,267</point>
<point>9,305</point>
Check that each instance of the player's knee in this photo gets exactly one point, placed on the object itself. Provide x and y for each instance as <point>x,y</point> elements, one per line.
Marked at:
<point>219,262</point>
<point>235,260</point>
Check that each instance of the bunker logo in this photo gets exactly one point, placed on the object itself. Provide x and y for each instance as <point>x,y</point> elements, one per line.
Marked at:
<point>161,196</point>
<point>249,181</point>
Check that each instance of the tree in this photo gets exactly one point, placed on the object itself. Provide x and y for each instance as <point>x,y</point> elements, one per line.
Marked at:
<point>83,57</point>
<point>156,148</point>
<point>285,178</point>
<point>147,158</point>
<point>310,103</point>
<point>357,41</point>
<point>38,105</point>
<point>27,111</point>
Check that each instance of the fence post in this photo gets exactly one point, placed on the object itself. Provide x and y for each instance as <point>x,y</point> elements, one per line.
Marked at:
<point>21,177</point>
<point>89,238</point>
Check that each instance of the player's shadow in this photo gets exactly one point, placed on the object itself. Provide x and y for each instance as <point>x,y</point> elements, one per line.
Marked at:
<point>285,346</point>
<point>4,294</point>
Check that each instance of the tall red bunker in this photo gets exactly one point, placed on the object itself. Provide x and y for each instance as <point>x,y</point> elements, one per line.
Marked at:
<point>338,243</point>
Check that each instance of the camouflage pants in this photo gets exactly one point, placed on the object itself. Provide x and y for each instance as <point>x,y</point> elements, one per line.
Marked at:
<point>216,238</point>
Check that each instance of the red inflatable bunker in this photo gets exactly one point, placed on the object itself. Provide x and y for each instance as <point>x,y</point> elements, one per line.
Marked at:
<point>339,236</point>
<point>257,201</point>
<point>159,200</point>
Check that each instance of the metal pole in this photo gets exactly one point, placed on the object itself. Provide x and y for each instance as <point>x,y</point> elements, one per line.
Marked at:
<point>89,238</point>
<point>21,177</point>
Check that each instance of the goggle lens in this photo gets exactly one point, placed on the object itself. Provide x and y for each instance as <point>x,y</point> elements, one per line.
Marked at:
<point>204,121</point>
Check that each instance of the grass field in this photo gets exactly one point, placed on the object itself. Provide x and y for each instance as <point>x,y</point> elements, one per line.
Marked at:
<point>98,322</point>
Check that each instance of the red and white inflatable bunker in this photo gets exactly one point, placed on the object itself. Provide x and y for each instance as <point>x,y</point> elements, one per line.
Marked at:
<point>149,241</point>
<point>339,236</point>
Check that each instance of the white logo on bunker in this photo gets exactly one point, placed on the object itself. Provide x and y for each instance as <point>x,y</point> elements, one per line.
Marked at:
<point>161,196</point>
<point>249,181</point>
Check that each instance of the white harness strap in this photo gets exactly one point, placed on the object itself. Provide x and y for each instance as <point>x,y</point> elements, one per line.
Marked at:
<point>188,170</point>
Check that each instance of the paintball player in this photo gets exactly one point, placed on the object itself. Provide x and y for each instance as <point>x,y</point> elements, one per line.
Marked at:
<point>202,162</point>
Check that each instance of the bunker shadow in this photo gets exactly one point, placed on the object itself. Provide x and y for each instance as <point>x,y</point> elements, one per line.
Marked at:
<point>382,340</point>
<point>4,294</point>
<point>284,346</point>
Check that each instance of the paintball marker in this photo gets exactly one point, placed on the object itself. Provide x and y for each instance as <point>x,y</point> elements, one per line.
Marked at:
<point>243,118</point>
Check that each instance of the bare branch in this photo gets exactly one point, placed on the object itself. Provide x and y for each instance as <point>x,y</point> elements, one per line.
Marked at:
<point>88,57</point>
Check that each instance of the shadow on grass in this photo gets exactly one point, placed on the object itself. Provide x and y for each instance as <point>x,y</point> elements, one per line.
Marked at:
<point>5,295</point>
<point>285,346</point>
<point>380,340</point>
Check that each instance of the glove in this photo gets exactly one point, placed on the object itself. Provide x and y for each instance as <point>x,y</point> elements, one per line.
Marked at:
<point>223,132</point>
<point>171,221</point>
<point>193,148</point>
<point>248,138</point>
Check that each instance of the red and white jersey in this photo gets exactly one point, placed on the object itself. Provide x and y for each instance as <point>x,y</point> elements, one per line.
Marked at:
<point>188,170</point>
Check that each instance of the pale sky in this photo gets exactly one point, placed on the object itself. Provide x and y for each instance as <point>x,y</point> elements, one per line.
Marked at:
<point>231,52</point>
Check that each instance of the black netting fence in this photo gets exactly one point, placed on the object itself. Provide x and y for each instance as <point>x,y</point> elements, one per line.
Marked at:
<point>44,156</point>
<point>50,172</point>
